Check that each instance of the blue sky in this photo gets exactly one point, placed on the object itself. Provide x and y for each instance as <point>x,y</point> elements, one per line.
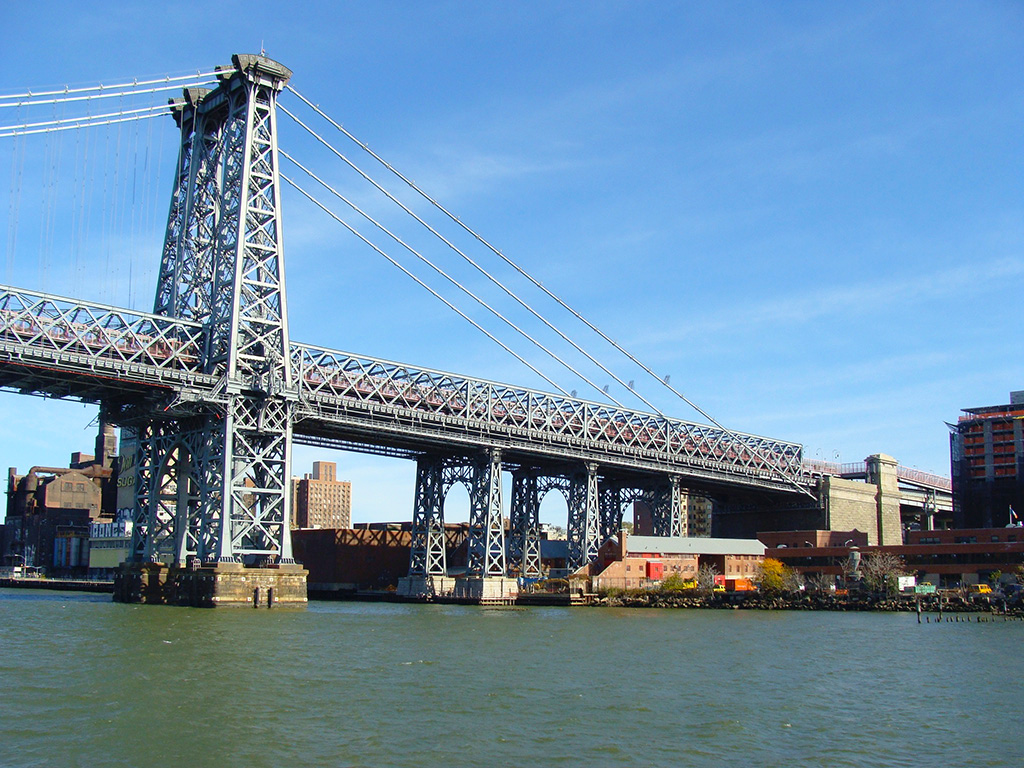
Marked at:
<point>808,214</point>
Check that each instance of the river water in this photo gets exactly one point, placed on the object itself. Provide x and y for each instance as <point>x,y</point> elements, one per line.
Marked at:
<point>84,681</point>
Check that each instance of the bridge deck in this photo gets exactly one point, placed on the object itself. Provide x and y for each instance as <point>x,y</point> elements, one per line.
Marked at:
<point>62,347</point>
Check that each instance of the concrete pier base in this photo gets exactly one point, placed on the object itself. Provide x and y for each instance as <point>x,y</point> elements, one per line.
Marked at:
<point>210,586</point>
<point>493,590</point>
<point>425,587</point>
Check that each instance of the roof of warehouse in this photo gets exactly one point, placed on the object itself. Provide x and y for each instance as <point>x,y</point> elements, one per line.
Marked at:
<point>675,545</point>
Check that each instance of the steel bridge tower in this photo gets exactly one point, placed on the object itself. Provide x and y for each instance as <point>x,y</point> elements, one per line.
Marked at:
<point>212,478</point>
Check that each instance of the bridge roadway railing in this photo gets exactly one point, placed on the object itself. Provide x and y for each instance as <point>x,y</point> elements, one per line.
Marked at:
<point>858,470</point>
<point>358,391</point>
<point>42,331</point>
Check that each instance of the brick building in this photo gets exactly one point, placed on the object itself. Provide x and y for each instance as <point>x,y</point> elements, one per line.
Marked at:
<point>946,558</point>
<point>987,464</point>
<point>632,562</point>
<point>50,509</point>
<point>370,556</point>
<point>320,500</point>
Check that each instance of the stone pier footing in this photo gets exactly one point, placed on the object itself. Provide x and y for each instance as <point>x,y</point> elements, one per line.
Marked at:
<point>476,590</point>
<point>210,586</point>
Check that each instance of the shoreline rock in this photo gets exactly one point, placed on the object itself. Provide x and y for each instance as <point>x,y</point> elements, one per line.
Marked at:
<point>802,602</point>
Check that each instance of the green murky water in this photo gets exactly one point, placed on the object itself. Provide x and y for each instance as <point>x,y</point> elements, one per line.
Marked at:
<point>84,681</point>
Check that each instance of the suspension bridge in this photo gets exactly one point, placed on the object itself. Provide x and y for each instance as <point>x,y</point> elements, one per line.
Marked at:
<point>213,392</point>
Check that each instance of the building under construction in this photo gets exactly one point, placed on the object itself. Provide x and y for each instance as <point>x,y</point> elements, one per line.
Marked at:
<point>987,465</point>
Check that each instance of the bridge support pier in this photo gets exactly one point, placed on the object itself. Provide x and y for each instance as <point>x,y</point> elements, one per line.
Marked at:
<point>486,543</point>
<point>610,504</point>
<point>666,504</point>
<point>524,522</point>
<point>584,518</point>
<point>222,584</point>
<point>427,557</point>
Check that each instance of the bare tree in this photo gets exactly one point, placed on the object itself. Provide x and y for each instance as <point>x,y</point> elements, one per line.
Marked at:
<point>880,570</point>
<point>821,582</point>
<point>706,578</point>
<point>794,581</point>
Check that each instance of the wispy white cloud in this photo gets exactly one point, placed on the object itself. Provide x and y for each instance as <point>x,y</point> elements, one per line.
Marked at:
<point>856,299</point>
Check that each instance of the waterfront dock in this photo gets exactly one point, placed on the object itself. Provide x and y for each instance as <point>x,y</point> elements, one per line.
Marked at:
<point>65,585</point>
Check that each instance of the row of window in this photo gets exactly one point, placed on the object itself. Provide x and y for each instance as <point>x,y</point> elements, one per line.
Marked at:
<point>963,539</point>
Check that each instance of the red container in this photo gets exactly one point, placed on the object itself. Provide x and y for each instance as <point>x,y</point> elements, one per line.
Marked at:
<point>739,585</point>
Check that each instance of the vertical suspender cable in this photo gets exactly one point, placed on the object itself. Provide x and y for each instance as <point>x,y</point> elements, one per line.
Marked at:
<point>88,189</point>
<point>14,204</point>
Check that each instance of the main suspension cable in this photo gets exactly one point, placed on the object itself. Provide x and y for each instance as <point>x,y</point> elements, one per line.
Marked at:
<point>104,95</point>
<point>83,123</point>
<point>536,283</point>
<point>509,292</point>
<point>490,247</point>
<point>480,269</point>
<point>447,277</point>
<point>409,274</point>
<point>100,87</point>
<point>65,120</point>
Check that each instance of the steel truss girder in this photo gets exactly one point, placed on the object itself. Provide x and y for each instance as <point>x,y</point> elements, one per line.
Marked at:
<point>63,330</point>
<point>338,386</point>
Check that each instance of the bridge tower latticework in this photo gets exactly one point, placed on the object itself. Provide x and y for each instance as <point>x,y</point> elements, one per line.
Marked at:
<point>222,266</point>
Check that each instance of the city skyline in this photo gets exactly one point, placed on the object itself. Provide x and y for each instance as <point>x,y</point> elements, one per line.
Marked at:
<point>804,215</point>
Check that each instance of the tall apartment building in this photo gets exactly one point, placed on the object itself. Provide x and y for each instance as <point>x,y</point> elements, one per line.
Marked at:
<point>987,465</point>
<point>695,509</point>
<point>320,500</point>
